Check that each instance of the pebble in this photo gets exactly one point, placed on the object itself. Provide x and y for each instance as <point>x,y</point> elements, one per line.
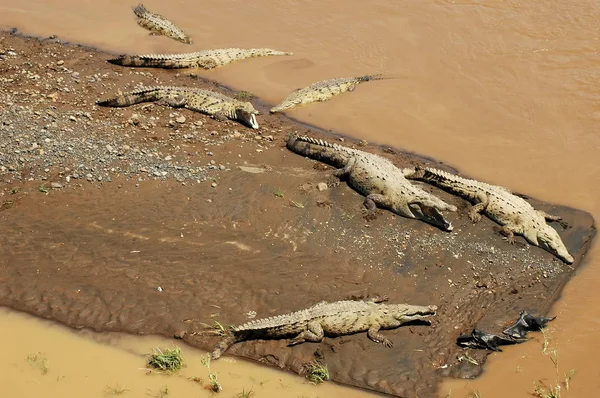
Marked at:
<point>214,185</point>
<point>180,119</point>
<point>322,186</point>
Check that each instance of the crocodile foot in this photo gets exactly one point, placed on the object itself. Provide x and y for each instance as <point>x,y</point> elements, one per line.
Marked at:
<point>333,181</point>
<point>369,214</point>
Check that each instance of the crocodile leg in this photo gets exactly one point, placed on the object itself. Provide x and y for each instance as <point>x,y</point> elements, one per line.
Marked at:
<point>207,63</point>
<point>509,231</point>
<point>314,333</point>
<point>337,175</point>
<point>373,334</point>
<point>219,117</point>
<point>550,217</point>
<point>379,299</point>
<point>474,212</point>
<point>173,102</point>
<point>370,203</point>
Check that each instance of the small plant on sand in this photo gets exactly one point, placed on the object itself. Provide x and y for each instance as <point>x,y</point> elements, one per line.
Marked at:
<point>39,360</point>
<point>244,394</point>
<point>278,193</point>
<point>317,373</point>
<point>116,390</point>
<point>244,96</point>
<point>212,376</point>
<point>475,394</point>
<point>168,361</point>
<point>42,188</point>
<point>554,391</point>
<point>162,393</point>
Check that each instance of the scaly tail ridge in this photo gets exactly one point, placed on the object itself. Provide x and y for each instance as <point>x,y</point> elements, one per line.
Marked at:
<point>132,98</point>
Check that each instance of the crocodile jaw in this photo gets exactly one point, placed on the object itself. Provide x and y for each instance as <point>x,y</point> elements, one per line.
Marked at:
<point>253,121</point>
<point>417,313</point>
<point>431,216</point>
<point>248,118</point>
<point>553,243</point>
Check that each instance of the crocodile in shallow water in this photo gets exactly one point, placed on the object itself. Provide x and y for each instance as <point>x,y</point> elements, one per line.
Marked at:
<point>329,319</point>
<point>322,91</point>
<point>378,179</point>
<point>159,25</point>
<point>217,105</point>
<point>207,59</point>
<point>514,213</point>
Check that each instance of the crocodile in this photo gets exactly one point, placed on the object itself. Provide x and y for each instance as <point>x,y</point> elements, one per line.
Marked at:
<point>207,59</point>
<point>323,91</point>
<point>329,319</point>
<point>219,106</point>
<point>159,25</point>
<point>377,178</point>
<point>512,212</point>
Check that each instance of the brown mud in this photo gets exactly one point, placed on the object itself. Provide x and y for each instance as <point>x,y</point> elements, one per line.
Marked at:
<point>243,230</point>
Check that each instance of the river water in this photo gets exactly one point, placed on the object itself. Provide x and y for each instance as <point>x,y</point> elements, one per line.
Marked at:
<point>504,90</point>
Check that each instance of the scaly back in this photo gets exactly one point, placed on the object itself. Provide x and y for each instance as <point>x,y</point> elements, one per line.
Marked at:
<point>319,310</point>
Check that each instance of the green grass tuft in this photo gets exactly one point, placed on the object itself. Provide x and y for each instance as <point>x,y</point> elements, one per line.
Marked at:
<point>317,373</point>
<point>168,361</point>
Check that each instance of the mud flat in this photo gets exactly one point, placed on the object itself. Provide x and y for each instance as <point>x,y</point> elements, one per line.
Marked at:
<point>150,220</point>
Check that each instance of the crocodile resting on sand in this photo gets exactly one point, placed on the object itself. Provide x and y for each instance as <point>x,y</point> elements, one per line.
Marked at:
<point>322,91</point>
<point>159,25</point>
<point>514,213</point>
<point>207,59</point>
<point>219,106</point>
<point>329,319</point>
<point>378,179</point>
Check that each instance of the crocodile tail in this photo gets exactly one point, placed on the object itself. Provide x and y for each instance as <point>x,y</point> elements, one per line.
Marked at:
<point>140,10</point>
<point>133,97</point>
<point>127,60</point>
<point>224,345</point>
<point>315,141</point>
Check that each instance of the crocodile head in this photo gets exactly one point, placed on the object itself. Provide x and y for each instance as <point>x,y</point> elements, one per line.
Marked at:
<point>430,215</point>
<point>408,313</point>
<point>247,115</point>
<point>549,240</point>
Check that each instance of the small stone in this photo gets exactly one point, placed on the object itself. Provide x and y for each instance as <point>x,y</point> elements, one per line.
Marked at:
<point>72,118</point>
<point>61,62</point>
<point>56,185</point>
<point>180,119</point>
<point>237,134</point>
<point>168,157</point>
<point>322,186</point>
<point>214,185</point>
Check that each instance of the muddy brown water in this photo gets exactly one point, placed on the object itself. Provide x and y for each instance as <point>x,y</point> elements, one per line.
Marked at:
<point>56,362</point>
<point>504,91</point>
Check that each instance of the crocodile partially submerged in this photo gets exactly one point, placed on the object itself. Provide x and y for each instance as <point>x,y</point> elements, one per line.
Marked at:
<point>323,91</point>
<point>207,59</point>
<point>378,179</point>
<point>217,105</point>
<point>159,25</point>
<point>512,212</point>
<point>329,319</point>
